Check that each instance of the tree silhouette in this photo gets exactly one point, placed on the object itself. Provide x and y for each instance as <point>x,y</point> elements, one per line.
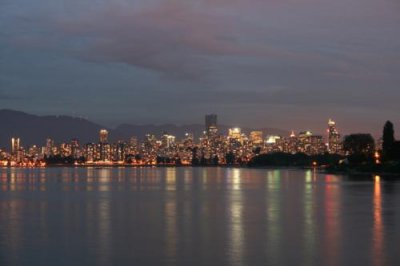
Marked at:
<point>359,147</point>
<point>215,160</point>
<point>230,158</point>
<point>388,141</point>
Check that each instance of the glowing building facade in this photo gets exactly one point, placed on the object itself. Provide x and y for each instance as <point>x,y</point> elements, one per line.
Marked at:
<point>334,138</point>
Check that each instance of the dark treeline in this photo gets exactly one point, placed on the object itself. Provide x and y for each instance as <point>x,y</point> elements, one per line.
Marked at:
<point>299,159</point>
<point>363,156</point>
<point>62,160</point>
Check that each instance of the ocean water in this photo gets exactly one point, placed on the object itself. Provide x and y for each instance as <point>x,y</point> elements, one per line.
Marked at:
<point>196,216</point>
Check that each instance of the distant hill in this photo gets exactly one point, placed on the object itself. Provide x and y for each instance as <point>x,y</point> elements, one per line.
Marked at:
<point>34,129</point>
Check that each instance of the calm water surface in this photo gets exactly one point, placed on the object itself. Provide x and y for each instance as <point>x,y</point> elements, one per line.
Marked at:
<point>196,216</point>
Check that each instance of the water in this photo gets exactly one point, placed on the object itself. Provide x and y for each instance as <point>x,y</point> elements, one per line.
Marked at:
<point>196,216</point>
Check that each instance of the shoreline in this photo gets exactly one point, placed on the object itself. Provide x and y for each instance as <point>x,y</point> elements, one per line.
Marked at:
<point>323,170</point>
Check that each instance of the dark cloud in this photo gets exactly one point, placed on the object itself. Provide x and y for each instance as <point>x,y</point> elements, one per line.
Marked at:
<point>193,57</point>
<point>173,38</point>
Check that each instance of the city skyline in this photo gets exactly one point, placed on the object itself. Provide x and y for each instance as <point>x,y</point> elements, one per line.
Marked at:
<point>212,147</point>
<point>199,132</point>
<point>252,62</point>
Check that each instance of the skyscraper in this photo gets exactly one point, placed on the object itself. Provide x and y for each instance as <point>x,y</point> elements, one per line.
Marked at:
<point>49,147</point>
<point>235,133</point>
<point>16,150</point>
<point>211,125</point>
<point>15,145</point>
<point>334,141</point>
<point>167,140</point>
<point>256,137</point>
<point>103,136</point>
<point>75,149</point>
<point>103,147</point>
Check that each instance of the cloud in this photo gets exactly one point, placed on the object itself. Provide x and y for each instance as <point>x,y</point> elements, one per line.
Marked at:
<point>241,54</point>
<point>177,40</point>
<point>185,40</point>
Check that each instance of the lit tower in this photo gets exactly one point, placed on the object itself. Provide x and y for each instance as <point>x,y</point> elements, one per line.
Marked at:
<point>256,137</point>
<point>15,145</point>
<point>104,147</point>
<point>103,136</point>
<point>334,142</point>
<point>49,147</point>
<point>16,149</point>
<point>235,133</point>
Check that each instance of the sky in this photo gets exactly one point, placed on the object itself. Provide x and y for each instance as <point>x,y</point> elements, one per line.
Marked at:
<point>289,64</point>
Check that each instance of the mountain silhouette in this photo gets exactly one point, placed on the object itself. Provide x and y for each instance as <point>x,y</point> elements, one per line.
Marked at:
<point>34,129</point>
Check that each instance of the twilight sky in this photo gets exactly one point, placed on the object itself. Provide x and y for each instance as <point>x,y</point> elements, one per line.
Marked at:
<point>264,63</point>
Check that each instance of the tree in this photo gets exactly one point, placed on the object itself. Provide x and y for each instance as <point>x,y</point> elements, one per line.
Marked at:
<point>359,147</point>
<point>215,160</point>
<point>257,150</point>
<point>388,140</point>
<point>203,160</point>
<point>230,158</point>
<point>195,159</point>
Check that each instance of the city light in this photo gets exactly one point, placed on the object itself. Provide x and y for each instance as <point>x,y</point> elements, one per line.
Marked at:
<point>211,148</point>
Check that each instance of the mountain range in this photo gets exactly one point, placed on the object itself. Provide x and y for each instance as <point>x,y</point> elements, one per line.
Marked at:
<point>34,129</point>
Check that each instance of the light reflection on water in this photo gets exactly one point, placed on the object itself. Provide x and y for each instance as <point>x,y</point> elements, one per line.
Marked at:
<point>235,213</point>
<point>196,216</point>
<point>378,249</point>
<point>309,217</point>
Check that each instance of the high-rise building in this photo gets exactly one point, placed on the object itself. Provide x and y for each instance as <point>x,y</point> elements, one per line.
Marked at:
<point>75,149</point>
<point>15,145</point>
<point>133,141</point>
<point>211,125</point>
<point>311,144</point>
<point>103,136</point>
<point>133,145</point>
<point>273,143</point>
<point>167,140</point>
<point>103,147</point>
<point>188,141</point>
<point>90,152</point>
<point>17,151</point>
<point>49,147</point>
<point>235,133</point>
<point>120,151</point>
<point>105,152</point>
<point>291,143</point>
<point>334,140</point>
<point>150,143</point>
<point>256,137</point>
